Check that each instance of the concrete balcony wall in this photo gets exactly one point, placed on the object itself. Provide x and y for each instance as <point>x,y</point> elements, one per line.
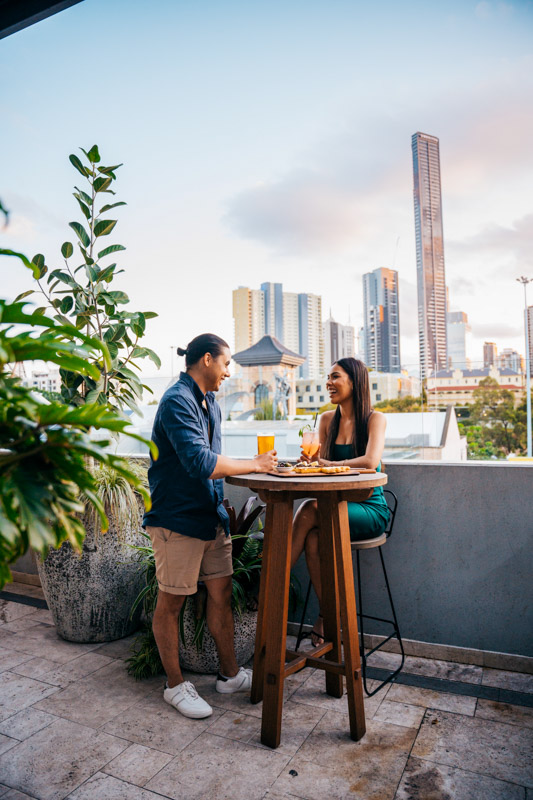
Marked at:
<point>460,557</point>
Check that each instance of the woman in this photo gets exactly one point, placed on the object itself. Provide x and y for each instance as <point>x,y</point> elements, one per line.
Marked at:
<point>353,435</point>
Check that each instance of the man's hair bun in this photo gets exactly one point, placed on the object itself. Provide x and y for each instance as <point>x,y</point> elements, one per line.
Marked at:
<point>182,352</point>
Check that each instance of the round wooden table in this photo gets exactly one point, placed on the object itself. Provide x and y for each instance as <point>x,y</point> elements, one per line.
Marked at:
<point>272,661</point>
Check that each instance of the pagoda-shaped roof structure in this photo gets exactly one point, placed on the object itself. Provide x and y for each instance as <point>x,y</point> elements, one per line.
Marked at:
<point>268,351</point>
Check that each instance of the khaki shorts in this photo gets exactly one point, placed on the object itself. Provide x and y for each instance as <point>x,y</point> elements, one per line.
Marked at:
<point>181,561</point>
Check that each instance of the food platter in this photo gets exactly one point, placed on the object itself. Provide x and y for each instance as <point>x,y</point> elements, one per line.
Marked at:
<point>313,473</point>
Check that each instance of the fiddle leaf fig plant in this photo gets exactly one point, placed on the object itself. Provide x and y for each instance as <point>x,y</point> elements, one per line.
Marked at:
<point>82,293</point>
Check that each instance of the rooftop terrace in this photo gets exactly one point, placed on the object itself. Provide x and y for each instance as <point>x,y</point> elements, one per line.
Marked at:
<point>74,725</point>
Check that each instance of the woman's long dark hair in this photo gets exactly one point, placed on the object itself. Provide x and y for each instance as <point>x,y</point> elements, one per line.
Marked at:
<point>362,408</point>
<point>200,345</point>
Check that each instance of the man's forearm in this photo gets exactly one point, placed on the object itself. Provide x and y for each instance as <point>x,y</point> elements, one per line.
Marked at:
<point>232,466</point>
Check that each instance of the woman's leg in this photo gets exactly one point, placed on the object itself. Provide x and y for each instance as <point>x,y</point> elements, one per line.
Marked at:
<point>305,536</point>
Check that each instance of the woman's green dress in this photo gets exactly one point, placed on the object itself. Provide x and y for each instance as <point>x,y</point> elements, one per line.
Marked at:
<point>369,518</point>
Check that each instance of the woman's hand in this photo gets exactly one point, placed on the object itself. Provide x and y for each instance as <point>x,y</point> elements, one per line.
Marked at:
<point>310,459</point>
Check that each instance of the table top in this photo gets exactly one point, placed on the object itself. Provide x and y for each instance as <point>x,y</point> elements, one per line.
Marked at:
<point>310,483</point>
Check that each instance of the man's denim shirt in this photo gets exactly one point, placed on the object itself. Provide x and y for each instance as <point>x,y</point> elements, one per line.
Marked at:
<point>184,499</point>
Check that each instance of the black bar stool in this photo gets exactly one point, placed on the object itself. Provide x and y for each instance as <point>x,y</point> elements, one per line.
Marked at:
<point>368,544</point>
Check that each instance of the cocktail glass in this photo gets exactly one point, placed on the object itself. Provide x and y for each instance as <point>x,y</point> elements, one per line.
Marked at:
<point>310,443</point>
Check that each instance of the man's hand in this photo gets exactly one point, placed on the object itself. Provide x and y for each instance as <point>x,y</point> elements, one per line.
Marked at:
<point>266,462</point>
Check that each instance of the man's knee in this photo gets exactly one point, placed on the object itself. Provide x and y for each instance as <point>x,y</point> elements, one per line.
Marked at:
<point>219,591</point>
<point>168,603</point>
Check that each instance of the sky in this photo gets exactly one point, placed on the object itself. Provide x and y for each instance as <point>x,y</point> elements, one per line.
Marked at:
<point>271,141</point>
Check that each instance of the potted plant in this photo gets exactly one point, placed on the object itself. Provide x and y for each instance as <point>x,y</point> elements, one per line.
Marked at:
<point>90,597</point>
<point>197,647</point>
<point>44,445</point>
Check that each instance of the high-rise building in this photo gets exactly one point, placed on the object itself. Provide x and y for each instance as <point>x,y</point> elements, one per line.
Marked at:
<point>431,280</point>
<point>273,294</point>
<point>490,354</point>
<point>510,359</point>
<point>294,319</point>
<point>382,320</point>
<point>459,340</point>
<point>248,317</point>
<point>338,341</point>
<point>311,342</point>
<point>291,333</point>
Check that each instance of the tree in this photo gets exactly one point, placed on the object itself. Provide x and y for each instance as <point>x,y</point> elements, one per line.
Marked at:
<point>400,405</point>
<point>494,410</point>
<point>81,295</point>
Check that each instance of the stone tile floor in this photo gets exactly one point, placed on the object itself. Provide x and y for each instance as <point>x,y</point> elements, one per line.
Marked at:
<point>74,725</point>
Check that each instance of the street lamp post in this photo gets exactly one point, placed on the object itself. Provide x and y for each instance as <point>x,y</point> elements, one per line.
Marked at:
<point>524,281</point>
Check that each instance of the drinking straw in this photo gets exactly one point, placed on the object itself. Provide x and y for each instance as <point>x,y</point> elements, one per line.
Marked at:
<point>316,415</point>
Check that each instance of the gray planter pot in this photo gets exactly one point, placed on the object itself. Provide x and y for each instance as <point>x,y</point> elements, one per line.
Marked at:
<point>90,596</point>
<point>206,661</point>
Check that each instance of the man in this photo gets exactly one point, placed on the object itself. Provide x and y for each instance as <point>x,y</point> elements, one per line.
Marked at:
<point>188,523</point>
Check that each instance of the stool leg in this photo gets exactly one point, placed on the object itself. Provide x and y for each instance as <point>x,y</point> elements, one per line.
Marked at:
<point>329,604</point>
<point>361,620</point>
<point>304,611</point>
<point>277,603</point>
<point>352,659</point>
<point>396,626</point>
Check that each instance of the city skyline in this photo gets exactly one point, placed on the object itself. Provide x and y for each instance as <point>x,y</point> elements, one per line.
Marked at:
<point>271,144</point>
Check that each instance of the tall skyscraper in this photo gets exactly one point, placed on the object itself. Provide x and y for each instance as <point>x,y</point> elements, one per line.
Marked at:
<point>459,335</point>
<point>382,320</point>
<point>338,342</point>
<point>248,317</point>
<point>431,278</point>
<point>291,334</point>
<point>273,294</point>
<point>311,342</point>
<point>490,354</point>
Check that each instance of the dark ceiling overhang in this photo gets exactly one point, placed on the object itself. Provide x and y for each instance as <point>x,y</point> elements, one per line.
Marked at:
<point>18,14</point>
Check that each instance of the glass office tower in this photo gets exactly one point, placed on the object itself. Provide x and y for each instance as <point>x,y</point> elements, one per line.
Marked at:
<point>431,279</point>
<point>382,320</point>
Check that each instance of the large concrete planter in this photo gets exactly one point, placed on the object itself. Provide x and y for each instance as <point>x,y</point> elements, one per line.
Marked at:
<point>90,596</point>
<point>206,661</point>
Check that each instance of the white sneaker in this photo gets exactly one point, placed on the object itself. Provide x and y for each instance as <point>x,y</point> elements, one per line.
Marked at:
<point>187,701</point>
<point>241,682</point>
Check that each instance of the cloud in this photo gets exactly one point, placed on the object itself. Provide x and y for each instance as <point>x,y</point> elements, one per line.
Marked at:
<point>498,330</point>
<point>511,245</point>
<point>354,188</point>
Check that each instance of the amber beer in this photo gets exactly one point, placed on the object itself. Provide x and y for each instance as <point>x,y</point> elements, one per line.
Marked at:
<point>265,442</point>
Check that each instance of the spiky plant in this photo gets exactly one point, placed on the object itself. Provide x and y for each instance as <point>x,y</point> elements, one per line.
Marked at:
<point>117,496</point>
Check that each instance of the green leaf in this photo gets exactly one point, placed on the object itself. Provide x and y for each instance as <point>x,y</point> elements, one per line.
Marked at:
<point>113,248</point>
<point>104,227</point>
<point>75,161</point>
<point>101,184</point>
<point>84,209</point>
<point>81,233</point>
<point>66,249</point>
<point>38,261</point>
<point>153,357</point>
<point>84,196</point>
<point>107,273</point>
<point>22,257</point>
<point>109,206</point>
<point>138,325</point>
<point>66,304</point>
<point>119,297</point>
<point>91,272</point>
<point>150,314</point>
<point>109,170</point>
<point>24,294</point>
<point>93,155</point>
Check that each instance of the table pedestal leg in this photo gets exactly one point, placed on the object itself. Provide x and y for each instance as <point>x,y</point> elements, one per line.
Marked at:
<point>262,611</point>
<point>274,621</point>
<point>345,582</point>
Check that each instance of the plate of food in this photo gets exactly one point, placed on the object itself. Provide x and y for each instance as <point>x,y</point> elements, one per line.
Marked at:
<point>306,468</point>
